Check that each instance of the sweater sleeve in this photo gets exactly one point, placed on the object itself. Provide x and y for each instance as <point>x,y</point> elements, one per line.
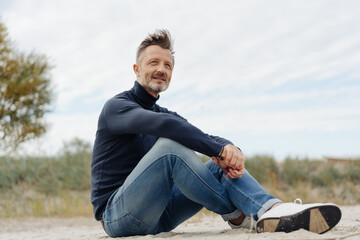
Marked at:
<point>218,139</point>
<point>221,140</point>
<point>125,117</point>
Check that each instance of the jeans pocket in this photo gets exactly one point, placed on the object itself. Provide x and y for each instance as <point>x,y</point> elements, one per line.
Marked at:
<point>133,226</point>
<point>127,225</point>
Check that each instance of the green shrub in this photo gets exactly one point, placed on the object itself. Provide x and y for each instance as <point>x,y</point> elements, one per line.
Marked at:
<point>353,172</point>
<point>263,168</point>
<point>69,170</point>
<point>327,176</point>
<point>296,171</point>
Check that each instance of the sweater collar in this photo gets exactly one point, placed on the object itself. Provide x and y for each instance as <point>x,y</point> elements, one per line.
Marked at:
<point>144,98</point>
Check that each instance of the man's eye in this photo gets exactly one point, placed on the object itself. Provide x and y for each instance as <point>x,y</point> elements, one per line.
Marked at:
<point>153,62</point>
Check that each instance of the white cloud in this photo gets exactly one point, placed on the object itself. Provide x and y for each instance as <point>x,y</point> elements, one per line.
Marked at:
<point>247,57</point>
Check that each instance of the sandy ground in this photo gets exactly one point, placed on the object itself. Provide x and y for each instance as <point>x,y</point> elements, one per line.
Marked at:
<point>198,227</point>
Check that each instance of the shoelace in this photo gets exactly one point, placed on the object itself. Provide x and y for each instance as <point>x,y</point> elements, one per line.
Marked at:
<point>298,201</point>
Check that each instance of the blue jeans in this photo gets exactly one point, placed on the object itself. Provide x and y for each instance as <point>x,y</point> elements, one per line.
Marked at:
<point>171,184</point>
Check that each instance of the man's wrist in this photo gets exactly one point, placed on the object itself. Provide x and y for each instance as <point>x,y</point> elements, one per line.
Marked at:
<point>220,154</point>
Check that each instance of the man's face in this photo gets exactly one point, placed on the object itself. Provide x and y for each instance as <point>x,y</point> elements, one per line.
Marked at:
<point>154,69</point>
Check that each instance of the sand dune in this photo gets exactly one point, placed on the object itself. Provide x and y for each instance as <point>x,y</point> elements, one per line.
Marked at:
<point>199,227</point>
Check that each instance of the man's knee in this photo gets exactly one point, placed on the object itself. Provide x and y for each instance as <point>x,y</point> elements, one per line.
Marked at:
<point>165,146</point>
<point>170,146</point>
<point>167,142</point>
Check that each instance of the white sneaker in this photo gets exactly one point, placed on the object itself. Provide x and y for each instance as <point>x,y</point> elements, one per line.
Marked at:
<point>248,223</point>
<point>288,217</point>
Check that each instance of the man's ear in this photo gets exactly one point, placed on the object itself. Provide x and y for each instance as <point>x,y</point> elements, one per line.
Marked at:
<point>136,70</point>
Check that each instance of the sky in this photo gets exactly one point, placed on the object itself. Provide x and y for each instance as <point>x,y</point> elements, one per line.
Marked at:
<point>276,77</point>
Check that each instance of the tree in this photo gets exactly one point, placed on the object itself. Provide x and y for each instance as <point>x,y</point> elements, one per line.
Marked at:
<point>25,94</point>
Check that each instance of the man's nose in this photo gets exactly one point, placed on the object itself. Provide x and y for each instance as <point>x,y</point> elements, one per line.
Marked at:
<point>161,68</point>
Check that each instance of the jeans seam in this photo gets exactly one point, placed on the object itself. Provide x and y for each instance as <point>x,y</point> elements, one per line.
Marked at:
<point>108,223</point>
<point>205,183</point>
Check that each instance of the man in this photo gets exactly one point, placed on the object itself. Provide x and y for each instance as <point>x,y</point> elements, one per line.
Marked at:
<point>147,179</point>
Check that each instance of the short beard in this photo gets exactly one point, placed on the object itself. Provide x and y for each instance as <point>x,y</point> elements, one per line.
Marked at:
<point>150,86</point>
<point>155,88</point>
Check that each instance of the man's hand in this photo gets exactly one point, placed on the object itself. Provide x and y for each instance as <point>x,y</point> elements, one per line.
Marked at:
<point>233,163</point>
<point>221,164</point>
<point>233,157</point>
<point>229,171</point>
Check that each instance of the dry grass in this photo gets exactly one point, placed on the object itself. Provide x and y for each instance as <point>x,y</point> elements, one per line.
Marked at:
<point>23,202</point>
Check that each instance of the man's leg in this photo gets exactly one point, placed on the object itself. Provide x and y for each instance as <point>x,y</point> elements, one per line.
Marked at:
<point>245,192</point>
<point>248,196</point>
<point>138,206</point>
<point>179,209</point>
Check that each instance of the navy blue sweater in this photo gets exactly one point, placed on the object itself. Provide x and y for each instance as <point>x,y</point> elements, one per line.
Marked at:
<point>129,125</point>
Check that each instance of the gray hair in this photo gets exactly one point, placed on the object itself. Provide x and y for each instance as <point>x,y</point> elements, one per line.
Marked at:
<point>161,38</point>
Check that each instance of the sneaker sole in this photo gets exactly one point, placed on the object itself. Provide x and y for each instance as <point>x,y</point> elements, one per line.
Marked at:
<point>317,219</point>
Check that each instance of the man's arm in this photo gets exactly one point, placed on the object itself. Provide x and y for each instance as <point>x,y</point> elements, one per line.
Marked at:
<point>218,139</point>
<point>221,140</point>
<point>125,117</point>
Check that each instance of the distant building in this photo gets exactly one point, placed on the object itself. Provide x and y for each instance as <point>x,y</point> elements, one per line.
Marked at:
<point>341,159</point>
